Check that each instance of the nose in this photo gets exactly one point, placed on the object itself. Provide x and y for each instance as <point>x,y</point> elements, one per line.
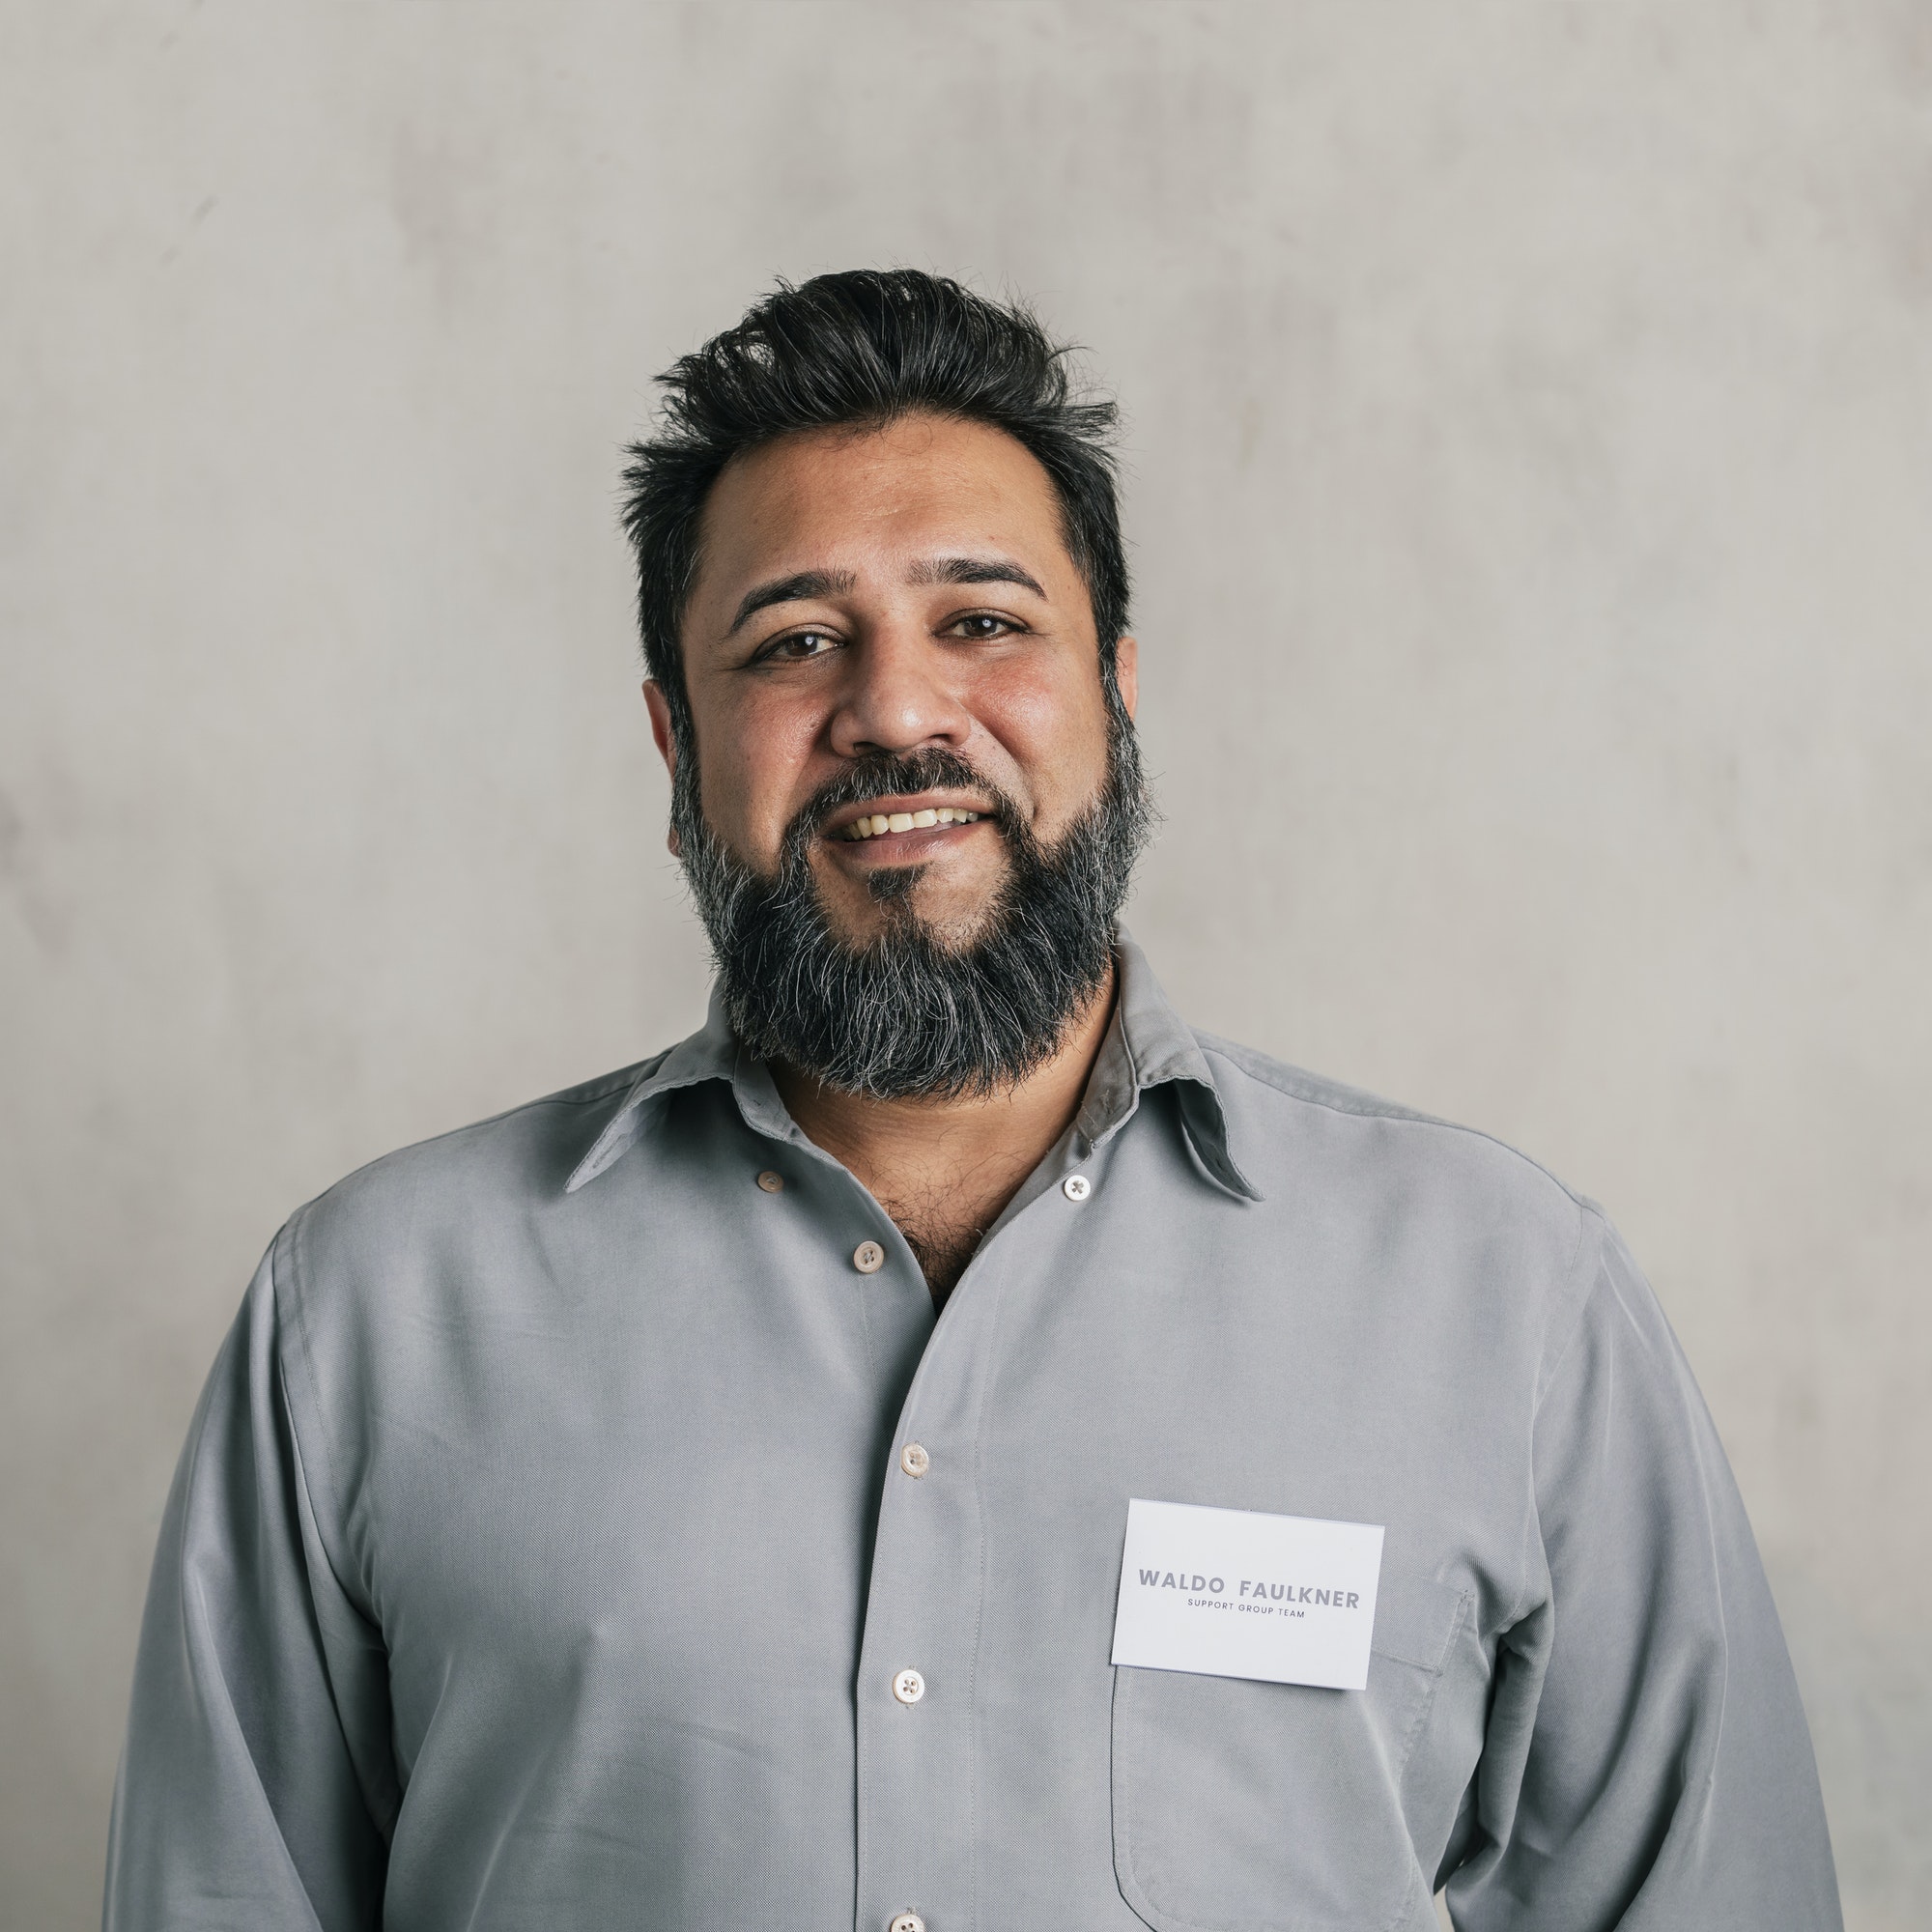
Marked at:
<point>900,694</point>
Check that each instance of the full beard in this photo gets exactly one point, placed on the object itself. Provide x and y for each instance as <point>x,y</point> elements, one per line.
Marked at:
<point>905,1014</point>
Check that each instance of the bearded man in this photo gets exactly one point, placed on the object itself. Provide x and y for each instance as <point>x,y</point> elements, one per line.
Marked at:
<point>945,1445</point>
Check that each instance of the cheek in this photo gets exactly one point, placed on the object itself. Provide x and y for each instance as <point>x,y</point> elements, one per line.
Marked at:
<point>755,761</point>
<point>1053,727</point>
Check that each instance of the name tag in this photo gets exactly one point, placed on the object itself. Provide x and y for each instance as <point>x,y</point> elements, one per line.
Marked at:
<point>1234,1593</point>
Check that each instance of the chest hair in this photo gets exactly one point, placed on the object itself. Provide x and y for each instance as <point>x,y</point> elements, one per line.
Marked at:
<point>944,1228</point>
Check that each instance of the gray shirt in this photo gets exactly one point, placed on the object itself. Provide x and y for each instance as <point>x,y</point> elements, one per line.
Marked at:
<point>545,1549</point>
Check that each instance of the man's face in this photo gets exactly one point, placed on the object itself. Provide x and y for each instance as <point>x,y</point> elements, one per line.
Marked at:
<point>885,592</point>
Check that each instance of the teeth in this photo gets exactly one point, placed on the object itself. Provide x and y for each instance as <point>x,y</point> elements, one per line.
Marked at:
<point>874,823</point>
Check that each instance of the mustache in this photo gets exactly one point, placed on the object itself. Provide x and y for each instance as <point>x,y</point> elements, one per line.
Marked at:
<point>897,773</point>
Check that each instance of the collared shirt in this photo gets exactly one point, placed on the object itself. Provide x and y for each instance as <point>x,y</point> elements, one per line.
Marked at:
<point>546,1549</point>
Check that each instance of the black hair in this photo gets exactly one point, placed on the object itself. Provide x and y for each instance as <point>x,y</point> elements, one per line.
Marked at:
<point>864,348</point>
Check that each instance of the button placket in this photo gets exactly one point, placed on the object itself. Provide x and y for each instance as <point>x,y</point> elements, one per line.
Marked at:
<point>916,1760</point>
<point>922,1633</point>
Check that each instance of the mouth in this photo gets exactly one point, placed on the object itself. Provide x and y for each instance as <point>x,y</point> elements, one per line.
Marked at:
<point>901,830</point>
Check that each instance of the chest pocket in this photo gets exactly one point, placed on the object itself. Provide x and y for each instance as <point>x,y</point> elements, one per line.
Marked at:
<point>1277,1808</point>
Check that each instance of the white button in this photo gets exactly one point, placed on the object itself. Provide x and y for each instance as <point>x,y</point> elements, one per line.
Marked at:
<point>906,1921</point>
<point>908,1686</point>
<point>914,1459</point>
<point>869,1258</point>
<point>772,1183</point>
<point>1076,1187</point>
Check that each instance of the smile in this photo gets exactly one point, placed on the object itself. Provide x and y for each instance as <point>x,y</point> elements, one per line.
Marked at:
<point>876,823</point>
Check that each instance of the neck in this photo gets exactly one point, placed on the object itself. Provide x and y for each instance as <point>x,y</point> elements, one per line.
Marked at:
<point>944,1169</point>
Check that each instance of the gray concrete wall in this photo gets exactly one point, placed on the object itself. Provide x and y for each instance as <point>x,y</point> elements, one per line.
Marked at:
<point>1530,475</point>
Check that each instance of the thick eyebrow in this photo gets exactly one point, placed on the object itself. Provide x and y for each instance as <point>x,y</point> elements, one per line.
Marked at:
<point>791,589</point>
<point>974,570</point>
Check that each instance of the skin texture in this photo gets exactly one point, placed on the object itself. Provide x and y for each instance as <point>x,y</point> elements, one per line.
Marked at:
<point>876,645</point>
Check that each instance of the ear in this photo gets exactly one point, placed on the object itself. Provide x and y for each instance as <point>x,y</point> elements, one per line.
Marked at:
<point>665,740</point>
<point>1128,672</point>
<point>659,706</point>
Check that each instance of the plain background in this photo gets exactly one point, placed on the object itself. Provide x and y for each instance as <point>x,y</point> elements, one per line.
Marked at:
<point>1529,469</point>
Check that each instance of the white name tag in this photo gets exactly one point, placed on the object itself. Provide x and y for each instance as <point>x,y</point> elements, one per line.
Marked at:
<point>1233,1593</point>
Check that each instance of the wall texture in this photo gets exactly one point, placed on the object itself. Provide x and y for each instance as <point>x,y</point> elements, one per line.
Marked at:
<point>1530,471</point>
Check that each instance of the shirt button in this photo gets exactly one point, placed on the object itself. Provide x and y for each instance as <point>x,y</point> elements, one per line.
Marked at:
<point>772,1183</point>
<point>908,1686</point>
<point>914,1459</point>
<point>906,1921</point>
<point>869,1258</point>
<point>1076,1187</point>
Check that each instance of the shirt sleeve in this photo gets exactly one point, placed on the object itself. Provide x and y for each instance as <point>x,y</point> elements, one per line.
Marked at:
<point>1646,1763</point>
<point>257,1788</point>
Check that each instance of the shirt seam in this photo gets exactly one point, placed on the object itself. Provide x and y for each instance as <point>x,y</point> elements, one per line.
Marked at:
<point>336,1530</point>
<point>1588,1219</point>
<point>382,1815</point>
<point>1723,1631</point>
<point>1697,1441</point>
<point>1465,1608</point>
<point>590,1096</point>
<point>1372,1109</point>
<point>586,1096</point>
<point>193,1595</point>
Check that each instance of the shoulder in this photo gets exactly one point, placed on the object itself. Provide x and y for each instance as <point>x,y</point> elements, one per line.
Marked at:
<point>462,1186</point>
<point>1295,1132</point>
<point>1292,1111</point>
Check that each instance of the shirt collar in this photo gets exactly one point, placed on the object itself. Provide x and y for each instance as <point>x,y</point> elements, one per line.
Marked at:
<point>1148,1045</point>
<point>711,1053</point>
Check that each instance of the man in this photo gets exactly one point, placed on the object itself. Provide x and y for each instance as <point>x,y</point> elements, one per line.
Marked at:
<point>945,1445</point>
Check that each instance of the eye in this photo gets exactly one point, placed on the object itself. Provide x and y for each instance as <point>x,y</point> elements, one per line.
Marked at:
<point>798,646</point>
<point>978,626</point>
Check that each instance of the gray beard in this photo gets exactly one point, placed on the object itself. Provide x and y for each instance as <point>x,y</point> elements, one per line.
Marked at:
<point>906,1016</point>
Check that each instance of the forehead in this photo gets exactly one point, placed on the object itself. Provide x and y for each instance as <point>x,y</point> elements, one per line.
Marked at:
<point>916,484</point>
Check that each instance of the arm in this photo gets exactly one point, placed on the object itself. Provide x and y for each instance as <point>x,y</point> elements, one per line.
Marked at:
<point>1646,1764</point>
<point>256,1790</point>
